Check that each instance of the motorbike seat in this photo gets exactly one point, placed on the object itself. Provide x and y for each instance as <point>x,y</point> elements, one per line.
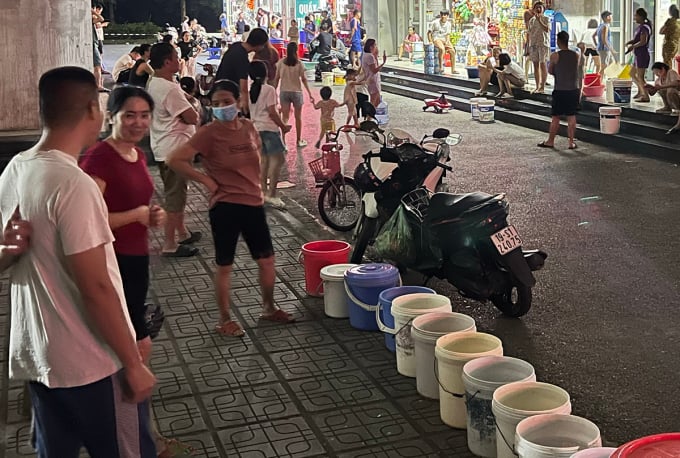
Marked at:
<point>444,205</point>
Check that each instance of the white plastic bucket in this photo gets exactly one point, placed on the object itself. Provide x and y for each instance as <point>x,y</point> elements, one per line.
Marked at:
<point>486,111</point>
<point>481,377</point>
<point>610,120</point>
<point>310,74</point>
<point>425,330</point>
<point>474,109</point>
<point>334,295</point>
<point>405,309</point>
<point>619,91</point>
<point>452,351</point>
<point>555,436</point>
<point>327,78</point>
<point>516,401</point>
<point>597,452</point>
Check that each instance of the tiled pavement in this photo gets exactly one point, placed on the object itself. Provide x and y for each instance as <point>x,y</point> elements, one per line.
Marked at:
<point>316,388</point>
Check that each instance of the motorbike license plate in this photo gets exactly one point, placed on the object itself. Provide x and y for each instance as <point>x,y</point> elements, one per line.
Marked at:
<point>506,240</point>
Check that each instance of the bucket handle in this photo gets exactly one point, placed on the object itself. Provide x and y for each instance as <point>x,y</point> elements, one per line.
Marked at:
<point>368,308</point>
<point>510,446</point>
<point>382,326</point>
<point>591,83</point>
<point>300,257</point>
<point>436,375</point>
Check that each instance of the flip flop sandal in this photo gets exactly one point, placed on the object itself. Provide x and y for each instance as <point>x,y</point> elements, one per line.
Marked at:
<point>543,145</point>
<point>280,316</point>
<point>193,238</point>
<point>230,329</point>
<point>182,251</point>
<point>175,448</point>
<point>573,146</point>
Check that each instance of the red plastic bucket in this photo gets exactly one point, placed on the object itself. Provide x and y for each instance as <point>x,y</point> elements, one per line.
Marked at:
<point>317,255</point>
<point>301,50</point>
<point>658,445</point>
<point>592,79</point>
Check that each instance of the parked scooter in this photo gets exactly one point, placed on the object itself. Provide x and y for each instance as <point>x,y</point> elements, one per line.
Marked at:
<point>464,239</point>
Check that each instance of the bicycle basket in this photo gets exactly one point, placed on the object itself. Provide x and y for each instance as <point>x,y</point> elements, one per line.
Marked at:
<point>320,173</point>
<point>417,202</point>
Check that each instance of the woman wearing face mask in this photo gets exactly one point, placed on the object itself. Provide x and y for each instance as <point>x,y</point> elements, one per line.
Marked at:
<point>230,151</point>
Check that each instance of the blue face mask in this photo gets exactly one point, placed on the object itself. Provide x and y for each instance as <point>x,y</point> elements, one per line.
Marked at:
<point>227,113</point>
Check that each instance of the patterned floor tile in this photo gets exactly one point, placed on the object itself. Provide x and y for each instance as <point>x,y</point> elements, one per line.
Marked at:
<point>240,406</point>
<point>214,347</point>
<point>454,442</point>
<point>290,437</point>
<point>177,416</point>
<point>190,325</point>
<point>17,437</point>
<point>415,448</point>
<point>370,351</point>
<point>235,372</point>
<point>368,425</point>
<point>202,443</point>
<point>15,405</point>
<point>163,354</point>
<point>423,413</point>
<point>312,361</point>
<point>252,296</point>
<point>250,315</point>
<point>395,384</point>
<point>172,382</point>
<point>334,391</point>
<point>294,335</point>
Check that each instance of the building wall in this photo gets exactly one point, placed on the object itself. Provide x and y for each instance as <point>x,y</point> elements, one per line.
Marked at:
<point>48,34</point>
<point>578,13</point>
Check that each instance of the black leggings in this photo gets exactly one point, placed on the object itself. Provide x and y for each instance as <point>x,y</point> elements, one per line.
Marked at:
<point>134,271</point>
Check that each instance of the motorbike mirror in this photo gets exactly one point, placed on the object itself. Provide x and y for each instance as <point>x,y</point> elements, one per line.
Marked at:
<point>453,139</point>
<point>441,133</point>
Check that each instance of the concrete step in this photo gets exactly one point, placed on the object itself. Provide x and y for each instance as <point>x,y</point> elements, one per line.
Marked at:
<point>623,142</point>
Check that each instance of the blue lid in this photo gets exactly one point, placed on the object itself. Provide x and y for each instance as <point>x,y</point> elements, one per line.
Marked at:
<point>372,274</point>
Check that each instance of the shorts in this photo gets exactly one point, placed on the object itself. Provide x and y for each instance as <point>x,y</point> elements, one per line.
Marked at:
<point>328,126</point>
<point>361,99</point>
<point>445,44</point>
<point>175,189</point>
<point>356,46</point>
<point>539,54</point>
<point>590,52</point>
<point>93,416</point>
<point>642,59</point>
<point>271,143</point>
<point>565,103</point>
<point>228,221</point>
<point>96,56</point>
<point>605,57</point>
<point>288,97</point>
<point>134,273</point>
<point>512,79</point>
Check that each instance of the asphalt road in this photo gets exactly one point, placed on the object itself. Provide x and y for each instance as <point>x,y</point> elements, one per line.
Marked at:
<point>604,323</point>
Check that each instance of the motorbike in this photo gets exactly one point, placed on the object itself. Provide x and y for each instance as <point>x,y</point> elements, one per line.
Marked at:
<point>327,62</point>
<point>440,104</point>
<point>464,239</point>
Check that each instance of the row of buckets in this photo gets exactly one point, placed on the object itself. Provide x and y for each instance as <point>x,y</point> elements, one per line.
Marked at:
<point>496,398</point>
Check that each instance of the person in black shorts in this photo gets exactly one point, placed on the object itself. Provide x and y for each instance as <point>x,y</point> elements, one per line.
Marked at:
<point>565,96</point>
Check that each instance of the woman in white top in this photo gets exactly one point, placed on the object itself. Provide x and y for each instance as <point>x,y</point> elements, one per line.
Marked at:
<point>371,70</point>
<point>291,74</point>
<point>509,75</point>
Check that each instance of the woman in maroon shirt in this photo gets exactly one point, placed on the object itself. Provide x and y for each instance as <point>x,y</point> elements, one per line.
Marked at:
<point>119,168</point>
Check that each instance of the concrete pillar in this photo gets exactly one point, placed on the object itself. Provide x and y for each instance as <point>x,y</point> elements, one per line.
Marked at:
<point>44,34</point>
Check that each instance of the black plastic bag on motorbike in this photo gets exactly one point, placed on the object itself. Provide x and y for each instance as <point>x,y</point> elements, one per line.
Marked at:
<point>395,240</point>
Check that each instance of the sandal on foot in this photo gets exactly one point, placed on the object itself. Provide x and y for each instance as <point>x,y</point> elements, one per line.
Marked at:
<point>280,316</point>
<point>545,145</point>
<point>174,448</point>
<point>193,238</point>
<point>230,329</point>
<point>573,146</point>
<point>182,251</point>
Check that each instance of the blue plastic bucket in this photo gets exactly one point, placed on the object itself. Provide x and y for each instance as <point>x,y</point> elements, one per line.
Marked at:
<point>364,284</point>
<point>384,316</point>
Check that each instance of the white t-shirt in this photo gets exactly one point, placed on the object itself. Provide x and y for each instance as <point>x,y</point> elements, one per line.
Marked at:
<point>440,31</point>
<point>259,111</point>
<point>515,70</point>
<point>51,340</point>
<point>168,131</point>
<point>123,63</point>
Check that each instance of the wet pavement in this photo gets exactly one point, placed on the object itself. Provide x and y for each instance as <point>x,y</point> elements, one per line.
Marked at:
<point>604,324</point>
